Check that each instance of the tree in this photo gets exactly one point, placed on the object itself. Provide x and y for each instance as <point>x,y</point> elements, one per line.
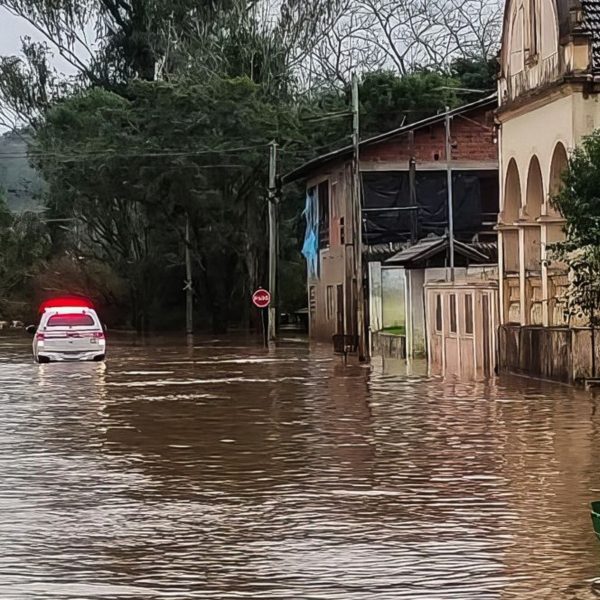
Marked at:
<point>405,36</point>
<point>389,101</point>
<point>478,73</point>
<point>132,170</point>
<point>579,203</point>
<point>24,243</point>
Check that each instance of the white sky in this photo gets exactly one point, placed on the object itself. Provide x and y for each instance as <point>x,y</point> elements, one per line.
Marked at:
<point>12,29</point>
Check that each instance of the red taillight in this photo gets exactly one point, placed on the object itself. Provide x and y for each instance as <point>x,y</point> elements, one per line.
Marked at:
<point>98,335</point>
<point>39,336</point>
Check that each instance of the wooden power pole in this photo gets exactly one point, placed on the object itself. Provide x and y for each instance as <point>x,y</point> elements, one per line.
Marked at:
<point>189,284</point>
<point>273,241</point>
<point>450,192</point>
<point>357,212</point>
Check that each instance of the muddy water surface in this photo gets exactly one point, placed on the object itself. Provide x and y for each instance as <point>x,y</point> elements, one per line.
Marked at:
<point>224,471</point>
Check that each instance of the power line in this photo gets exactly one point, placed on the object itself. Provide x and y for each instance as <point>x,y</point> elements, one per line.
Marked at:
<point>111,154</point>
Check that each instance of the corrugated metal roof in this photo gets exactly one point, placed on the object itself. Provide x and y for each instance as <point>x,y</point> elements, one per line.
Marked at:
<point>591,24</point>
<point>432,246</point>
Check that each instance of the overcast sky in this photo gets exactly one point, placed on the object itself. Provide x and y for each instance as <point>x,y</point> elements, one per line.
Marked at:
<point>12,29</point>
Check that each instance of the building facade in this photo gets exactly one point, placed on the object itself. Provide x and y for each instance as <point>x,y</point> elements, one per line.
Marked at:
<point>404,200</point>
<point>548,100</point>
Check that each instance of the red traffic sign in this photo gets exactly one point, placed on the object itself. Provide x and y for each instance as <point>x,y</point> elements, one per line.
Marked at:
<point>261,298</point>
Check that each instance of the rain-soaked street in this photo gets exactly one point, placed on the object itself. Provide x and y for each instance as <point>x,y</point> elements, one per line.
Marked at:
<point>224,471</point>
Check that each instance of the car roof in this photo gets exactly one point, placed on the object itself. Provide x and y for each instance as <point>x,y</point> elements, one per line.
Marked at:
<point>74,310</point>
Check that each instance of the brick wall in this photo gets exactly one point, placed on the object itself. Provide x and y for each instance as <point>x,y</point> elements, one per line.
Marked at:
<point>473,141</point>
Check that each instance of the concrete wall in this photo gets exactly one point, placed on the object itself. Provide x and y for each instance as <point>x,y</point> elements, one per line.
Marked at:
<point>415,318</point>
<point>389,346</point>
<point>557,353</point>
<point>393,287</point>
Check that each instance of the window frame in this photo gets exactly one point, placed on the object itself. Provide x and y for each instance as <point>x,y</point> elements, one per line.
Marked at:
<point>452,313</point>
<point>439,316</point>
<point>469,302</point>
<point>330,302</point>
<point>324,209</point>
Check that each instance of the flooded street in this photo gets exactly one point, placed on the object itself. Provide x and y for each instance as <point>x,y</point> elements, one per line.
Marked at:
<point>224,471</point>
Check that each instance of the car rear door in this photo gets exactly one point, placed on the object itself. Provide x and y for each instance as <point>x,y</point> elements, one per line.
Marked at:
<point>71,332</point>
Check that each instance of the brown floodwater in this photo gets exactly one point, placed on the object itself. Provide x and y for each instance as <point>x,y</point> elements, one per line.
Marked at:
<point>222,470</point>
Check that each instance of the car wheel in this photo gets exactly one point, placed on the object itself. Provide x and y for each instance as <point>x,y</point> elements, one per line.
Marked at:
<point>99,358</point>
<point>43,360</point>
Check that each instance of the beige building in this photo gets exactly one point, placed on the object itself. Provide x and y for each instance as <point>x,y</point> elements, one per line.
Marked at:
<point>548,97</point>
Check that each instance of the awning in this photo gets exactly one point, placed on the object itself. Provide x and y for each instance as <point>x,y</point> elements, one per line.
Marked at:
<point>434,246</point>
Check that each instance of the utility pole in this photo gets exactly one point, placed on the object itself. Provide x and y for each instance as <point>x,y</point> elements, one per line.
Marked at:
<point>273,241</point>
<point>189,284</point>
<point>450,192</point>
<point>358,241</point>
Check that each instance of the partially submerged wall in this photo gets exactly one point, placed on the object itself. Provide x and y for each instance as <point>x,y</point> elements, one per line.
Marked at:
<point>556,353</point>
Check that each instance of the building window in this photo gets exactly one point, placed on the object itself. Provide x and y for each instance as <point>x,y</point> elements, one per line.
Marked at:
<point>438,313</point>
<point>453,328</point>
<point>533,46</point>
<point>469,314</point>
<point>517,42</point>
<point>312,302</point>
<point>330,303</point>
<point>323,195</point>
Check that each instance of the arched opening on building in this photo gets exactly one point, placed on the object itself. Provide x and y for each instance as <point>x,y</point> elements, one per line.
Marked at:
<point>512,194</point>
<point>554,233</point>
<point>535,191</point>
<point>510,214</point>
<point>558,165</point>
<point>532,241</point>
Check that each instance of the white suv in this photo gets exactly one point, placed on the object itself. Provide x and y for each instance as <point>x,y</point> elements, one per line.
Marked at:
<point>69,333</point>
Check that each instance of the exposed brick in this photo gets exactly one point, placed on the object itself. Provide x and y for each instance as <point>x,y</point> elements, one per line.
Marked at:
<point>473,139</point>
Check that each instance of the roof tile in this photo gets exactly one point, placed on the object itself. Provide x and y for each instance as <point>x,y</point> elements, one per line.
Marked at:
<point>591,24</point>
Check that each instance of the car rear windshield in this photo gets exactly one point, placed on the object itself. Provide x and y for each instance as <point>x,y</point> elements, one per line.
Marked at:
<point>82,320</point>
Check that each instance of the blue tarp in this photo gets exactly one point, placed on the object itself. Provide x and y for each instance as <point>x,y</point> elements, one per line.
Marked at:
<point>310,250</point>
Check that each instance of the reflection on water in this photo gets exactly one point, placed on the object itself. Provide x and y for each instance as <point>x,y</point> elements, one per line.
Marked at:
<point>218,470</point>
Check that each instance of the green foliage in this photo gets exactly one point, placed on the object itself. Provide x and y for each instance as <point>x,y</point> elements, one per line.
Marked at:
<point>24,244</point>
<point>579,198</point>
<point>475,74</point>
<point>389,101</point>
<point>131,170</point>
<point>167,121</point>
<point>20,181</point>
<point>579,203</point>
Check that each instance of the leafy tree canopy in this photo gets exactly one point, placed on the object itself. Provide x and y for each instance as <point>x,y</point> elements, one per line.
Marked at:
<point>579,202</point>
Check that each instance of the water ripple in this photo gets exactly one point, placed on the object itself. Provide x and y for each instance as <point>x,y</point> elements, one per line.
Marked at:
<point>224,471</point>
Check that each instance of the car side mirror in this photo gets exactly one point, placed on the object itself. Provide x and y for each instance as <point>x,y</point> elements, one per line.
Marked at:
<point>104,327</point>
<point>31,329</point>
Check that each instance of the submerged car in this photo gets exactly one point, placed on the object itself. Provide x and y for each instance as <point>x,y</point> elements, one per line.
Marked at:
<point>68,331</point>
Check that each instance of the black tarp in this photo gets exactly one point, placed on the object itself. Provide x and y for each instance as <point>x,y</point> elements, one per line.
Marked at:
<point>391,190</point>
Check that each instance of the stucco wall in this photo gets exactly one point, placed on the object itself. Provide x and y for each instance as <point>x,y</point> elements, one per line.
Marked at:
<point>536,133</point>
